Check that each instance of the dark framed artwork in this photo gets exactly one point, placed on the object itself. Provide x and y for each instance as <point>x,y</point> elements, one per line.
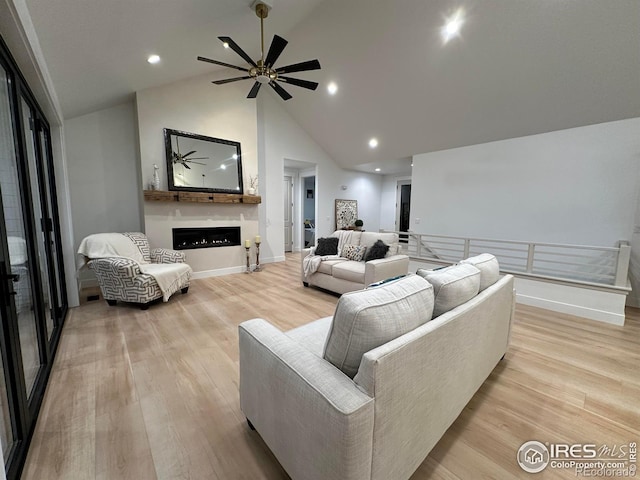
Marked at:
<point>346,213</point>
<point>309,193</point>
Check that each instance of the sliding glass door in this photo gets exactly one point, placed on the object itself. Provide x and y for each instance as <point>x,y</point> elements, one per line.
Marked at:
<point>32,295</point>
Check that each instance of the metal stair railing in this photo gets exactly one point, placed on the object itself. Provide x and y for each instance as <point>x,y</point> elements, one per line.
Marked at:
<point>580,264</point>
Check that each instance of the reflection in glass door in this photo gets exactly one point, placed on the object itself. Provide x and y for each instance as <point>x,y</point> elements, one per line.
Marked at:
<point>7,151</point>
<point>32,293</point>
<point>48,292</point>
<point>20,261</point>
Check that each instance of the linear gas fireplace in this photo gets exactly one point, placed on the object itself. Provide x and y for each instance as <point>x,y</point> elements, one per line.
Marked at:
<point>206,237</point>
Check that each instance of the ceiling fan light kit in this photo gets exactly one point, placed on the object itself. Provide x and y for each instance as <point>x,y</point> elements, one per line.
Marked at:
<point>262,70</point>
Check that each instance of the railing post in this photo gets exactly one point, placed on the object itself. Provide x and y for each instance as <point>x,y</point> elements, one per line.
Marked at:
<point>465,254</point>
<point>622,264</point>
<point>530,254</point>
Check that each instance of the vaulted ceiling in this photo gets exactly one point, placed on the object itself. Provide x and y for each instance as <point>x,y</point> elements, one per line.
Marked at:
<point>519,67</point>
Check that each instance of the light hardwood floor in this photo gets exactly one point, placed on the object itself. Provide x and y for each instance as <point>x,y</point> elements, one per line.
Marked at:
<point>154,394</point>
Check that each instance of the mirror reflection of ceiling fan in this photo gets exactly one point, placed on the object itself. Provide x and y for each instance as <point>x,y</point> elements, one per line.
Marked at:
<point>182,158</point>
<point>263,71</point>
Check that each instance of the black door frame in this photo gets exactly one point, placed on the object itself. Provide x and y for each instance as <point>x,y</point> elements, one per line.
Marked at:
<point>24,410</point>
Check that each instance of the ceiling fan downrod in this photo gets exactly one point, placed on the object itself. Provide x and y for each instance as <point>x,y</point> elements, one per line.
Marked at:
<point>262,73</point>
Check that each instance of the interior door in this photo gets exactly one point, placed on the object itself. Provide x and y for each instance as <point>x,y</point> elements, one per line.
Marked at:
<point>287,189</point>
<point>403,204</point>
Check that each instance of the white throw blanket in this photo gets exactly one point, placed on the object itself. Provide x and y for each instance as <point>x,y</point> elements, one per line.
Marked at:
<point>169,276</point>
<point>344,238</point>
<point>311,262</point>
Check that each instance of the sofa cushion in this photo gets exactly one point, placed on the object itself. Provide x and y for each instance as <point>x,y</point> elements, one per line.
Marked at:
<point>452,286</point>
<point>326,266</point>
<point>327,246</point>
<point>376,251</point>
<point>488,266</point>
<point>350,271</point>
<point>353,252</point>
<point>394,249</point>
<point>366,319</point>
<point>369,238</point>
<point>312,336</point>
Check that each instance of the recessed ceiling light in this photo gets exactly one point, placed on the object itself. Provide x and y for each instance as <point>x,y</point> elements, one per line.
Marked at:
<point>153,59</point>
<point>412,164</point>
<point>332,88</point>
<point>234,156</point>
<point>378,169</point>
<point>373,143</point>
<point>223,166</point>
<point>452,26</point>
<point>225,44</point>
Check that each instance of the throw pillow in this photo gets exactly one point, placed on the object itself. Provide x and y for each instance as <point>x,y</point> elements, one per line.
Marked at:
<point>376,251</point>
<point>452,286</point>
<point>353,252</point>
<point>327,246</point>
<point>366,319</point>
<point>488,266</point>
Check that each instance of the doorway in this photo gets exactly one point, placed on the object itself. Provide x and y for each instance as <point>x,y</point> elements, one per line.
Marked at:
<point>309,210</point>
<point>33,298</point>
<point>403,208</point>
<point>287,189</point>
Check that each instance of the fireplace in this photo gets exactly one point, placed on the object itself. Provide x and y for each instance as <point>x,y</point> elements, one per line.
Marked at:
<point>205,237</point>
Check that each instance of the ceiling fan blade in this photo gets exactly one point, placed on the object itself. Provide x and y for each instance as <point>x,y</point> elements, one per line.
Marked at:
<point>188,153</point>
<point>300,67</point>
<point>216,62</point>
<point>236,48</point>
<point>277,46</point>
<point>186,166</point>
<point>253,93</point>
<point>280,91</point>
<point>299,83</point>
<point>229,80</point>
<point>197,163</point>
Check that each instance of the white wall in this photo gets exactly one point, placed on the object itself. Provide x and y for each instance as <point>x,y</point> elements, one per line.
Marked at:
<point>196,106</point>
<point>575,186</point>
<point>388,199</point>
<point>280,137</point>
<point>103,171</point>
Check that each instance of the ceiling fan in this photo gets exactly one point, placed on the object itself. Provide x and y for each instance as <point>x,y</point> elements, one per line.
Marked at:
<point>262,71</point>
<point>182,159</point>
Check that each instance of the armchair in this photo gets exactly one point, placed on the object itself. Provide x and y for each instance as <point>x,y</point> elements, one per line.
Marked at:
<point>128,270</point>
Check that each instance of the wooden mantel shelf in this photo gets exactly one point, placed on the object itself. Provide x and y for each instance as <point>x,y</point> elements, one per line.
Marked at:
<point>200,197</point>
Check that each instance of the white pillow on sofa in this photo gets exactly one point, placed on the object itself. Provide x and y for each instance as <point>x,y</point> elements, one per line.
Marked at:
<point>452,286</point>
<point>366,319</point>
<point>488,266</point>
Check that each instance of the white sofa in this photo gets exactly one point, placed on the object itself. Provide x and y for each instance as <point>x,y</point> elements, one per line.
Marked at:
<point>381,423</point>
<point>342,275</point>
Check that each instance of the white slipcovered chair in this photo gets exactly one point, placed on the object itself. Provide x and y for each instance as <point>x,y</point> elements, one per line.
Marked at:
<point>129,270</point>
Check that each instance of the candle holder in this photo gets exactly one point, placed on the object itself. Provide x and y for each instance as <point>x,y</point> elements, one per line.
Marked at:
<point>258,267</point>
<point>248,270</point>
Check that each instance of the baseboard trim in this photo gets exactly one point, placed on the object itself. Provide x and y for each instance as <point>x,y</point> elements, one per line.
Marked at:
<point>577,310</point>
<point>219,272</point>
<point>87,283</point>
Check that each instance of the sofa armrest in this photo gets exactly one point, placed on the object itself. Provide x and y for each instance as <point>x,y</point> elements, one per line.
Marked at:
<point>303,253</point>
<point>314,418</point>
<point>377,270</point>
<point>115,267</point>
<point>165,255</point>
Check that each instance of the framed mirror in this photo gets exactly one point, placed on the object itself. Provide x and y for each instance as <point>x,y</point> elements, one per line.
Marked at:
<point>197,163</point>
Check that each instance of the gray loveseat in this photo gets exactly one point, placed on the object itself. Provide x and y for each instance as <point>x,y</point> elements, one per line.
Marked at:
<point>341,275</point>
<point>352,397</point>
